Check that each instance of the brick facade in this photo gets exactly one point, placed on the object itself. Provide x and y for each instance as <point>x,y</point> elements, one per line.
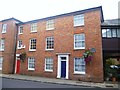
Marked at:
<point>63,34</point>
<point>10,44</point>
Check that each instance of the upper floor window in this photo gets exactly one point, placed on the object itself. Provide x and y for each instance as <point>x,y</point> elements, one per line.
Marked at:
<point>79,20</point>
<point>21,30</point>
<point>50,25</point>
<point>4,28</point>
<point>34,27</point>
<point>118,33</point>
<point>32,46</point>
<point>19,44</point>
<point>2,44</point>
<point>49,43</point>
<point>31,63</point>
<point>109,33</point>
<point>79,41</point>
<point>79,66</point>
<point>48,64</point>
<point>1,62</point>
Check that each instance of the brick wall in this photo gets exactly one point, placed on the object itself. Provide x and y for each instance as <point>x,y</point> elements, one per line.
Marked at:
<point>64,43</point>
<point>9,51</point>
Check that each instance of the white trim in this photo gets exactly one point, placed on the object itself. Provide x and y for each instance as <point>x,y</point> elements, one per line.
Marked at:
<point>46,44</point>
<point>32,69</point>
<point>1,63</point>
<point>49,29</point>
<point>59,66</point>
<point>4,26</point>
<point>49,49</point>
<point>80,40</point>
<point>78,72</point>
<point>19,30</point>
<point>48,70</point>
<point>32,50</point>
<point>17,55</point>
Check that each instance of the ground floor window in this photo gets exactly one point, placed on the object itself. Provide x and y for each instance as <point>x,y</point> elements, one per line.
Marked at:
<point>1,62</point>
<point>79,66</point>
<point>49,64</point>
<point>31,63</point>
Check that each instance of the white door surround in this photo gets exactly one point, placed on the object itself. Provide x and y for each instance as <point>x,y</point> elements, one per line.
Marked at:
<point>59,65</point>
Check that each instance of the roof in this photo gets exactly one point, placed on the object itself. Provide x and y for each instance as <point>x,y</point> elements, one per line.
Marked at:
<point>11,19</point>
<point>111,22</point>
<point>68,14</point>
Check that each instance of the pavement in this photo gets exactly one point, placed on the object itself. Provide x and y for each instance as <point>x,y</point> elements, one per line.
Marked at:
<point>61,81</point>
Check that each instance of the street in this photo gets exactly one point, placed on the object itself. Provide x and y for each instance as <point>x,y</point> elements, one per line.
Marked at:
<point>12,83</point>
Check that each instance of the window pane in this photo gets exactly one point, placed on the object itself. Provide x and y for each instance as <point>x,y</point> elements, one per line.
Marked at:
<point>79,65</point>
<point>20,29</point>
<point>2,44</point>
<point>4,28</point>
<point>49,43</point>
<point>109,34</point>
<point>50,24</point>
<point>104,33</point>
<point>33,44</point>
<point>1,62</point>
<point>114,34</point>
<point>118,32</point>
<point>79,41</point>
<point>31,63</point>
<point>34,27</point>
<point>79,20</point>
<point>48,64</point>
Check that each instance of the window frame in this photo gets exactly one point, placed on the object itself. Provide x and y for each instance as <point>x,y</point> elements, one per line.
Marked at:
<point>33,62</point>
<point>1,62</point>
<point>33,28</point>
<point>79,72</point>
<point>75,48</point>
<point>2,44</point>
<point>118,34</point>
<point>51,44</point>
<point>4,28</point>
<point>50,64</point>
<point>79,20</point>
<point>30,44</point>
<point>19,43</point>
<point>20,30</point>
<point>50,24</point>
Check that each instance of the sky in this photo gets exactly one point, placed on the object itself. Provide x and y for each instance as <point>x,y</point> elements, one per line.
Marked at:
<point>26,10</point>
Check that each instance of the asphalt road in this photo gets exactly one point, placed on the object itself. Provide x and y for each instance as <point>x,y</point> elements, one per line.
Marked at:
<point>12,83</point>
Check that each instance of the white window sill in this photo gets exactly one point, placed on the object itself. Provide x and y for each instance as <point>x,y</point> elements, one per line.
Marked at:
<point>79,25</point>
<point>83,73</point>
<point>50,29</point>
<point>1,50</point>
<point>48,70</point>
<point>19,48</point>
<point>31,69</point>
<point>3,32</point>
<point>20,33</point>
<point>79,48</point>
<point>32,50</point>
<point>33,31</point>
<point>49,49</point>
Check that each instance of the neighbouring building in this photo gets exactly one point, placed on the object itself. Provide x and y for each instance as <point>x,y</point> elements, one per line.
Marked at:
<point>54,46</point>
<point>8,33</point>
<point>111,40</point>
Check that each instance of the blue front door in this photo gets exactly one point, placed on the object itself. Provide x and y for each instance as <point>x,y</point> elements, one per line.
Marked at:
<point>63,69</point>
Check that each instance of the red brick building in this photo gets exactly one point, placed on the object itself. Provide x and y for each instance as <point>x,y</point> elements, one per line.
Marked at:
<point>8,33</point>
<point>54,46</point>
